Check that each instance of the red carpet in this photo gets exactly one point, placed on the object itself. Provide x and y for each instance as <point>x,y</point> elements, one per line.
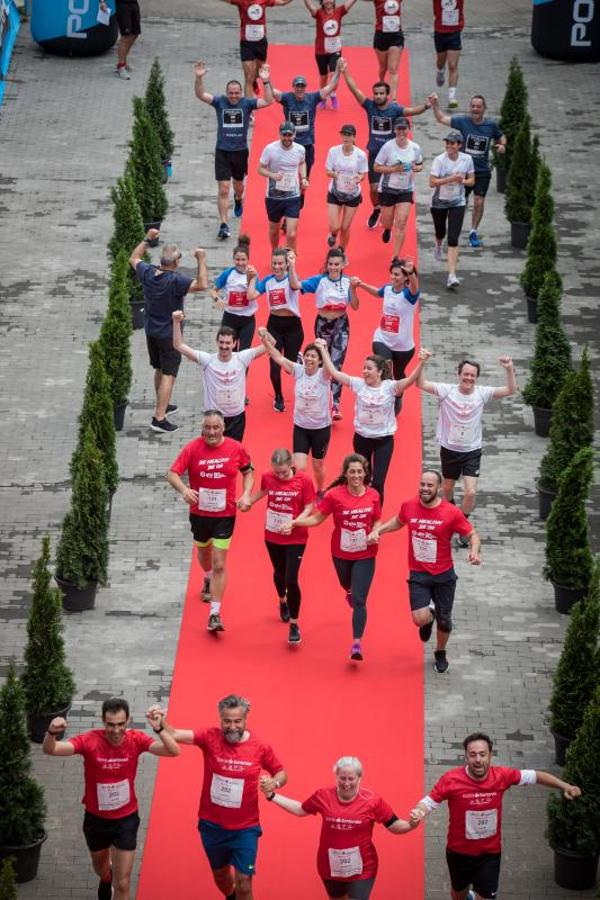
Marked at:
<point>309,701</point>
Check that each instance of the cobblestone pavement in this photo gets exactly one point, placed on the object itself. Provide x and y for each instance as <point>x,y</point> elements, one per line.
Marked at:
<point>64,128</point>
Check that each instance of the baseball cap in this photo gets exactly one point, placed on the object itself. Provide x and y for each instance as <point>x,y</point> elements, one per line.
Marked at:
<point>287,128</point>
<point>347,129</point>
<point>401,122</point>
<point>298,81</point>
<point>454,136</point>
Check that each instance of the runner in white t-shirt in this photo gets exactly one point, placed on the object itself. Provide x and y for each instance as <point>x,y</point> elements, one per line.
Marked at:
<point>346,166</point>
<point>374,413</point>
<point>396,163</point>
<point>459,431</point>
<point>283,164</point>
<point>224,375</point>
<point>451,172</point>
<point>232,294</point>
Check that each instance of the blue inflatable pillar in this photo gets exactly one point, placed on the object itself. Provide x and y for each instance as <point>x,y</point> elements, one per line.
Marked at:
<point>71,27</point>
<point>9,27</point>
<point>567,29</point>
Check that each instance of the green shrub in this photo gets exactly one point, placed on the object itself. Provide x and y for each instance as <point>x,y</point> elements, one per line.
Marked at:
<point>542,246</point>
<point>47,681</point>
<point>512,112</point>
<point>128,228</point>
<point>552,352</point>
<point>97,413</point>
<point>520,191</point>
<point>8,884</point>
<point>156,107</point>
<point>115,333</point>
<point>145,165</point>
<point>569,559</point>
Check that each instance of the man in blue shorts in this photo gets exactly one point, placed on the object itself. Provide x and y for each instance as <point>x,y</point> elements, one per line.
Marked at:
<point>283,164</point>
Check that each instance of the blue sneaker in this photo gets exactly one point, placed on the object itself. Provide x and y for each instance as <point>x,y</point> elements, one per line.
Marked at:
<point>238,207</point>
<point>474,240</point>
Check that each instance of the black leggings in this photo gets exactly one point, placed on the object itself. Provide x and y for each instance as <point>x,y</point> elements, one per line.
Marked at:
<point>378,451</point>
<point>243,326</point>
<point>289,335</point>
<point>286,559</point>
<point>356,575</point>
<point>454,215</point>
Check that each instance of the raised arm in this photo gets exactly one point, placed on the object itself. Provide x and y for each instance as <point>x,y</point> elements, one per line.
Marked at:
<point>138,252</point>
<point>166,745</point>
<point>435,105</point>
<point>53,747</point>
<point>352,86</point>
<point>427,386</point>
<point>293,279</point>
<point>418,109</point>
<point>200,282</point>
<point>410,379</point>
<point>181,735</point>
<point>511,380</point>
<point>200,70</point>
<point>264,73</point>
<point>328,365</point>
<point>369,288</point>
<point>178,316</point>
<point>354,298</point>
<point>268,343</point>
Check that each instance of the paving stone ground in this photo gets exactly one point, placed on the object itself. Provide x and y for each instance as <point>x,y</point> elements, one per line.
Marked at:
<point>64,128</point>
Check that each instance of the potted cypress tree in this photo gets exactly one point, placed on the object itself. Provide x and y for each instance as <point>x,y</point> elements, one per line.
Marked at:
<point>145,165</point>
<point>8,884</point>
<point>574,825</point>
<point>571,428</point>
<point>520,194</point>
<point>551,356</point>
<point>542,246</point>
<point>577,675</point>
<point>156,107</point>
<point>47,681</point>
<point>22,810</point>
<point>569,560</point>
<point>115,338</point>
<point>82,554</point>
<point>512,111</point>
<point>128,233</point>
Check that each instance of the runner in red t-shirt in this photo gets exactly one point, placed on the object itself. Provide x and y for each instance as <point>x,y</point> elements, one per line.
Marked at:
<point>474,793</point>
<point>448,23</point>
<point>228,816</point>
<point>328,41</point>
<point>289,494</point>
<point>110,759</point>
<point>253,37</point>
<point>388,41</point>
<point>212,463</point>
<point>356,510</point>
<point>346,855</point>
<point>432,580</point>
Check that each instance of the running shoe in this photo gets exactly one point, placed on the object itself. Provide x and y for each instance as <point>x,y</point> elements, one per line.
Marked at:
<point>284,613</point>
<point>223,232</point>
<point>172,408</point>
<point>356,651</point>
<point>278,404</point>
<point>385,237</point>
<point>348,599</point>
<point>335,413</point>
<point>322,104</point>
<point>453,281</point>
<point>440,77</point>
<point>105,890</point>
<point>334,101</point>
<point>425,630</point>
<point>438,253</point>
<point>453,104</point>
<point>205,592</point>
<point>441,663</point>
<point>474,239</point>
<point>374,217</point>
<point>294,636</point>
<point>163,426</point>
<point>121,72</point>
<point>238,207</point>
<point>331,240</point>
<point>214,623</point>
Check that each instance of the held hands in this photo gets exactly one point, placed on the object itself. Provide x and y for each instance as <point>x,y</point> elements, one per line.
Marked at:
<point>264,72</point>
<point>244,504</point>
<point>200,69</point>
<point>291,258</point>
<point>56,725</point>
<point>156,717</point>
<point>265,336</point>
<point>152,234</point>
<point>355,281</point>
<point>506,362</point>
<point>433,99</point>
<point>424,354</point>
<point>251,272</point>
<point>416,816</point>
<point>267,784</point>
<point>321,344</point>
<point>373,537</point>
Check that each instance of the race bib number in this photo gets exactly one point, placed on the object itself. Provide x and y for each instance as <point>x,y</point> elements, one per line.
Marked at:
<point>334,303</point>
<point>424,549</point>
<point>332,44</point>
<point>233,118</point>
<point>299,119</point>
<point>381,125</point>
<point>113,796</point>
<point>373,416</point>
<point>353,541</point>
<point>450,13</point>
<point>390,24</point>
<point>212,499</point>
<point>461,434</point>
<point>228,397</point>
<point>345,184</point>
<point>237,299</point>
<point>277,520</point>
<point>476,144</point>
<point>480,825</point>
<point>450,191</point>
<point>254,32</point>
<point>277,297</point>
<point>226,791</point>
<point>390,324</point>
<point>345,863</point>
<point>308,404</point>
<point>289,182</point>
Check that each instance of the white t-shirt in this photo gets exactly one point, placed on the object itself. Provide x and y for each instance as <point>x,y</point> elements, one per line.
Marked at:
<point>397,316</point>
<point>234,285</point>
<point>225,382</point>
<point>459,419</point>
<point>276,158</point>
<point>279,294</point>
<point>346,169</point>
<point>452,194</point>
<point>374,410</point>
<point>312,407</point>
<point>391,155</point>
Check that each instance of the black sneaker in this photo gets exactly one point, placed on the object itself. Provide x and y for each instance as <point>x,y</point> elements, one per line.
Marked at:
<point>205,592</point>
<point>214,623</point>
<point>385,237</point>
<point>223,232</point>
<point>238,207</point>
<point>331,240</point>
<point>374,217</point>
<point>284,613</point>
<point>356,652</point>
<point>278,404</point>
<point>441,663</point>
<point>294,636</point>
<point>105,890</point>
<point>172,408</point>
<point>425,631</point>
<point>163,427</point>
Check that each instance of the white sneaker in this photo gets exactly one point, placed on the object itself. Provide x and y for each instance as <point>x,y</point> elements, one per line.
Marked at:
<point>122,73</point>
<point>453,104</point>
<point>438,253</point>
<point>453,281</point>
<point>440,77</point>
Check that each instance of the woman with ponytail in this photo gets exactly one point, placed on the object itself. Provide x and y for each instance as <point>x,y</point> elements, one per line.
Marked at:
<point>230,294</point>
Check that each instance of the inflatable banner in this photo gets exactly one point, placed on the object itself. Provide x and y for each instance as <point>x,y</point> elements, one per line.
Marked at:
<point>567,29</point>
<point>71,27</point>
<point>9,26</point>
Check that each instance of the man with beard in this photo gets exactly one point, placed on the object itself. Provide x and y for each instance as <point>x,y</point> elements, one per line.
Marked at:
<point>381,112</point>
<point>228,816</point>
<point>431,522</point>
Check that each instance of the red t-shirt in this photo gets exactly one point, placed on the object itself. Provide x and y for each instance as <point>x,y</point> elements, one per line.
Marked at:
<point>253,18</point>
<point>230,786</point>
<point>475,808</point>
<point>329,27</point>
<point>285,501</point>
<point>430,531</point>
<point>353,519</point>
<point>387,16</point>
<point>346,850</point>
<point>212,471</point>
<point>109,771</point>
<point>448,16</point>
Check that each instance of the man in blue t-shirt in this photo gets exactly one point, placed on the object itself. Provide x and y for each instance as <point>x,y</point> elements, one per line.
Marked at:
<point>381,114</point>
<point>234,115</point>
<point>164,290</point>
<point>478,134</point>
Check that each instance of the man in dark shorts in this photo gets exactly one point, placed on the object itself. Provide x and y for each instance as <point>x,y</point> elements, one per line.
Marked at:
<point>478,134</point>
<point>253,37</point>
<point>110,757</point>
<point>212,462</point>
<point>164,290</point>
<point>381,112</point>
<point>475,792</point>
<point>459,431</point>
<point>283,164</point>
<point>129,21</point>
<point>431,522</point>
<point>231,154</point>
<point>448,24</point>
